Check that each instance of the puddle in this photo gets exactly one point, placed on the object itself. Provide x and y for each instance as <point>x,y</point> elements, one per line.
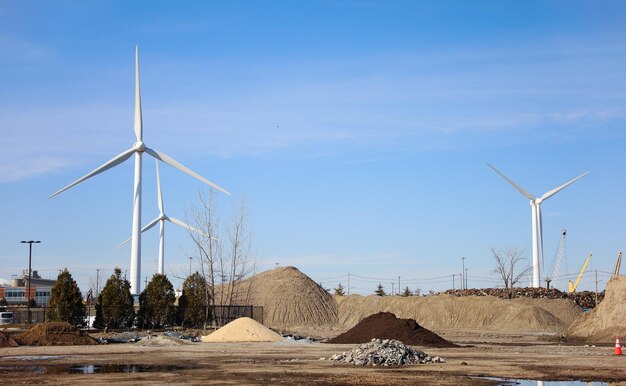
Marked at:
<point>530,382</point>
<point>90,369</point>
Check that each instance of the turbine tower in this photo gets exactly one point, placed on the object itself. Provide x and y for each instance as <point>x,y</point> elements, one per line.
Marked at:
<point>138,148</point>
<point>161,219</point>
<point>537,225</point>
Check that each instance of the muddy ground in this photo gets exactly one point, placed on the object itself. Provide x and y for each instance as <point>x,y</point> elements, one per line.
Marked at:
<point>527,356</point>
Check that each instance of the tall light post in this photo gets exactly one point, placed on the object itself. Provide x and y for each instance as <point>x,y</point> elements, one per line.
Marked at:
<point>30,257</point>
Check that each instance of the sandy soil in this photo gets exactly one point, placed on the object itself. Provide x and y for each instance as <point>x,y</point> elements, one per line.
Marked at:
<point>528,356</point>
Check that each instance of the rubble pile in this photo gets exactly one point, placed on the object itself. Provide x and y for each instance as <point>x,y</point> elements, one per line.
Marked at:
<point>585,299</point>
<point>387,352</point>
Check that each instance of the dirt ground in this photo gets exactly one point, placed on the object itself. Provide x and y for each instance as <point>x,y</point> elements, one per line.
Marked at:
<point>512,356</point>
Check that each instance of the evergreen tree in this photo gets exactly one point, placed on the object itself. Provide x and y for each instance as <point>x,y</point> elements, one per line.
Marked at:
<point>3,302</point>
<point>339,290</point>
<point>66,301</point>
<point>407,292</point>
<point>380,290</point>
<point>115,306</point>
<point>193,304</point>
<point>156,303</point>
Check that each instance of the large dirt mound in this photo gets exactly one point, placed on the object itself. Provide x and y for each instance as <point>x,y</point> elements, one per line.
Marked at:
<point>443,312</point>
<point>565,309</point>
<point>54,334</point>
<point>6,340</point>
<point>607,320</point>
<point>385,325</point>
<point>289,299</point>
<point>243,330</point>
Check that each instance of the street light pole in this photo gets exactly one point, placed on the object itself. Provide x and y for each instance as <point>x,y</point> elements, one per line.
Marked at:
<point>30,257</point>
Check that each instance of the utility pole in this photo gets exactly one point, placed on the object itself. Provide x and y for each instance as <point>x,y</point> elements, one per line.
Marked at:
<point>348,283</point>
<point>392,287</point>
<point>596,287</point>
<point>190,265</point>
<point>30,257</point>
<point>453,275</point>
<point>462,272</point>
<point>399,288</point>
<point>465,278</point>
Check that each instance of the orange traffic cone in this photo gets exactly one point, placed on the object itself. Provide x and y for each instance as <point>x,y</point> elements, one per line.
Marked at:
<point>618,347</point>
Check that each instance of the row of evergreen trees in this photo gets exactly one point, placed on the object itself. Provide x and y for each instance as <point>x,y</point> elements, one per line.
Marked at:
<point>115,304</point>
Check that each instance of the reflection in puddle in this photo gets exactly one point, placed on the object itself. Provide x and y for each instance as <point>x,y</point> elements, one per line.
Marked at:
<point>530,382</point>
<point>89,369</point>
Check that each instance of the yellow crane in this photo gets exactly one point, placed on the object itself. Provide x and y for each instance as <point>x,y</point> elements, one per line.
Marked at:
<point>572,287</point>
<point>618,264</point>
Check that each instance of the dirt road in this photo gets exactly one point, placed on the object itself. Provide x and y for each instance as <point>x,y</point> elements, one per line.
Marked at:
<point>514,356</point>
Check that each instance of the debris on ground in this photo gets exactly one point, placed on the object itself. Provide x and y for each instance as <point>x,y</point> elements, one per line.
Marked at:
<point>6,340</point>
<point>54,334</point>
<point>162,341</point>
<point>385,325</point>
<point>585,299</point>
<point>243,330</point>
<point>384,352</point>
<point>291,341</point>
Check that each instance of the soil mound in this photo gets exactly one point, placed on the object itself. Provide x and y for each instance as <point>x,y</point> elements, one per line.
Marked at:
<point>54,334</point>
<point>605,321</point>
<point>7,341</point>
<point>243,330</point>
<point>289,298</point>
<point>385,325</point>
<point>443,312</point>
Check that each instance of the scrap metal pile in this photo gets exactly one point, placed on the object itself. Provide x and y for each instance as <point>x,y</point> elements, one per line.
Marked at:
<point>585,299</point>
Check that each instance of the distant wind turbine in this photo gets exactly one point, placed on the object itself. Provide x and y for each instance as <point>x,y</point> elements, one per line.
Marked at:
<point>161,219</point>
<point>537,224</point>
<point>137,149</point>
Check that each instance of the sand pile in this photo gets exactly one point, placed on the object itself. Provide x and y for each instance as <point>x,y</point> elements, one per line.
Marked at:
<point>243,330</point>
<point>385,325</point>
<point>289,299</point>
<point>450,312</point>
<point>162,341</point>
<point>54,334</point>
<point>6,340</point>
<point>564,309</point>
<point>607,320</point>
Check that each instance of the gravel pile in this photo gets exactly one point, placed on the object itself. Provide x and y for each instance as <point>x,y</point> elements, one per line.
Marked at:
<point>387,352</point>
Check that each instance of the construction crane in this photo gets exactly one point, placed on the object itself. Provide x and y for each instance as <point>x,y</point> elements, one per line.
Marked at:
<point>573,286</point>
<point>557,261</point>
<point>618,264</point>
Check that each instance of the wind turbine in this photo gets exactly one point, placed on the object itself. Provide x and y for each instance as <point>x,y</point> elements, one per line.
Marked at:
<point>537,225</point>
<point>161,219</point>
<point>138,148</point>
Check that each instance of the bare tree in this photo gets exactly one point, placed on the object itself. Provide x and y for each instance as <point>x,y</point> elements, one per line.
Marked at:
<point>223,250</point>
<point>506,262</point>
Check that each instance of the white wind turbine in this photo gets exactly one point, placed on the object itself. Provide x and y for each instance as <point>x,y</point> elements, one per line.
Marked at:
<point>537,226</point>
<point>161,219</point>
<point>137,149</point>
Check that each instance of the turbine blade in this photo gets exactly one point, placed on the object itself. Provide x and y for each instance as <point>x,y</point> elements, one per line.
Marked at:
<point>516,186</point>
<point>122,243</point>
<point>182,224</point>
<point>138,121</point>
<point>159,194</point>
<point>106,166</point>
<point>559,188</point>
<point>169,160</point>
<point>150,225</point>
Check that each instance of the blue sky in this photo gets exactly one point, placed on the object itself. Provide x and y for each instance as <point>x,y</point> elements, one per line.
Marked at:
<point>357,131</point>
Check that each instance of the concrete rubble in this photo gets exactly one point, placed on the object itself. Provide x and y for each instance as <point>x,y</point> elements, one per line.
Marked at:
<point>387,352</point>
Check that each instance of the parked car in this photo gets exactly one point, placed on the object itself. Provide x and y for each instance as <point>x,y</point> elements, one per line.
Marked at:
<point>6,317</point>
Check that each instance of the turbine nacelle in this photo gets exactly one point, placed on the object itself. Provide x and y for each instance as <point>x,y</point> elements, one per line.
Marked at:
<point>139,146</point>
